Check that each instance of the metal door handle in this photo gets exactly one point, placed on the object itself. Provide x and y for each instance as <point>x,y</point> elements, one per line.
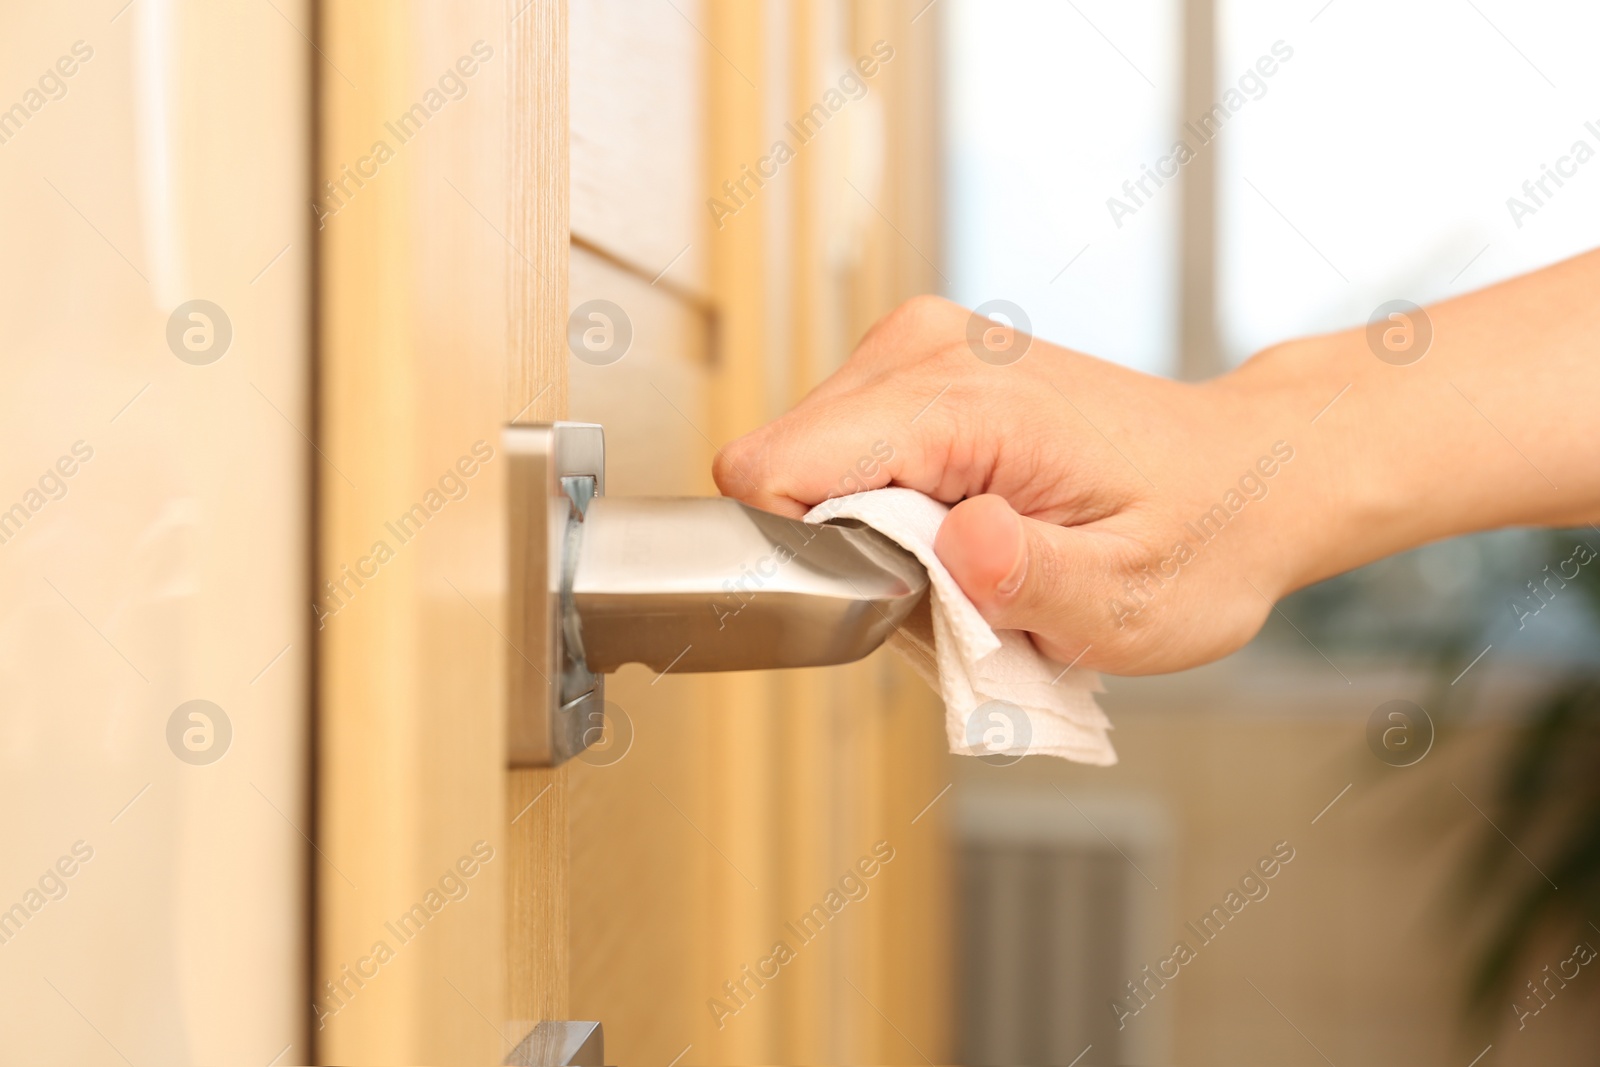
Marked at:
<point>560,1044</point>
<point>709,584</point>
<point>678,584</point>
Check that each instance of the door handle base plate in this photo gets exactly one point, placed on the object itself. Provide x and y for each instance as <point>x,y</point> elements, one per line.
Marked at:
<point>554,704</point>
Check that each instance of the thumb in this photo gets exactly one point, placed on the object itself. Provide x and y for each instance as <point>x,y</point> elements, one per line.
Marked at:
<point>1024,574</point>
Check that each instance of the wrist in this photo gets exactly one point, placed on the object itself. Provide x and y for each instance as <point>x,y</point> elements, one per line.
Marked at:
<point>1344,500</point>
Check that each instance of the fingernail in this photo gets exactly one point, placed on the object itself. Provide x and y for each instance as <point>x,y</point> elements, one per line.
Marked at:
<point>1019,569</point>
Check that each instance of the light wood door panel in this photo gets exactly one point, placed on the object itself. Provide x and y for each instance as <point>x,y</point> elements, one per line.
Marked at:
<point>638,127</point>
<point>744,799</point>
<point>640,871</point>
<point>654,397</point>
<point>443,294</point>
<point>443,285</point>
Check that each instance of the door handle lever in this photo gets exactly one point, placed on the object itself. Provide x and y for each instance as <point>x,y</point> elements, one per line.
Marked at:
<point>677,584</point>
<point>710,584</point>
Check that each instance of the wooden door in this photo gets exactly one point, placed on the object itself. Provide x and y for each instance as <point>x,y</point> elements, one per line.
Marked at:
<point>635,885</point>
<point>440,191</point>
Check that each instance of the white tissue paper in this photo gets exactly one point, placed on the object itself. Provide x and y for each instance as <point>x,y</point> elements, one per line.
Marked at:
<point>1003,699</point>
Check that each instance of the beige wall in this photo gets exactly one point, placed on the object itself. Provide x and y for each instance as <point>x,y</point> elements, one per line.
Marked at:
<point>1357,942</point>
<point>173,567</point>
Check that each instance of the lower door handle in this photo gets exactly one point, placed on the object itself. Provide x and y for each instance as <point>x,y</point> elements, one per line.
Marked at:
<point>678,584</point>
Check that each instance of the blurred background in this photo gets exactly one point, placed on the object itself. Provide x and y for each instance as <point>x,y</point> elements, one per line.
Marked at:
<point>1373,164</point>
<point>240,339</point>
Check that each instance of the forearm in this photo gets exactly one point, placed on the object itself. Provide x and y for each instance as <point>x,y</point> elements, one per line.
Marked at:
<point>1496,425</point>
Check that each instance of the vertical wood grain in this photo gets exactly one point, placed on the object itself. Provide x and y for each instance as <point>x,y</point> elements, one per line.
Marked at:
<point>539,191</point>
<point>538,185</point>
<point>442,291</point>
<point>812,817</point>
<point>742,916</point>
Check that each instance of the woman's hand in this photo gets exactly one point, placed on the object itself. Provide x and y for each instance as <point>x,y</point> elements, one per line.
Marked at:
<point>1132,522</point>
